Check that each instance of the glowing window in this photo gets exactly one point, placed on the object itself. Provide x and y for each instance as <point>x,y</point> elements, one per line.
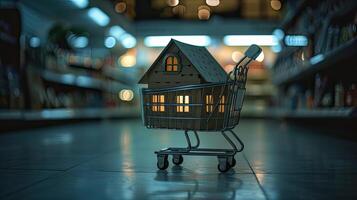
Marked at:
<point>171,64</point>
<point>183,102</point>
<point>209,103</point>
<point>158,103</point>
<point>222,102</point>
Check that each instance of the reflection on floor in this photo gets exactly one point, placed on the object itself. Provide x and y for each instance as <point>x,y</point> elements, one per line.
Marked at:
<point>115,160</point>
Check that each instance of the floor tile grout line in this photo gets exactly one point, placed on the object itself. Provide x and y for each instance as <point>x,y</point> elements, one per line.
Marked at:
<point>50,176</point>
<point>88,160</point>
<point>32,184</point>
<point>24,169</point>
<point>256,178</point>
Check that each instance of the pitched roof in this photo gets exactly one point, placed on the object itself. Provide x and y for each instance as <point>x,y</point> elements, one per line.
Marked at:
<point>200,58</point>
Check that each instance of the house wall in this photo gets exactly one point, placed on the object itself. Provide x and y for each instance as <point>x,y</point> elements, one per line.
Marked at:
<point>196,119</point>
<point>187,74</point>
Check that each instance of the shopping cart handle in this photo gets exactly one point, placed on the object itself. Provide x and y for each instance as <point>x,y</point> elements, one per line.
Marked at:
<point>253,51</point>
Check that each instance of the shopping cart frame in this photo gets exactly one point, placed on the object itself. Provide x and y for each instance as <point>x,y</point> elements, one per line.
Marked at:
<point>235,88</point>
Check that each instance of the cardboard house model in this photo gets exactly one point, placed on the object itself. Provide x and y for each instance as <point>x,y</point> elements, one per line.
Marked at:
<point>171,100</point>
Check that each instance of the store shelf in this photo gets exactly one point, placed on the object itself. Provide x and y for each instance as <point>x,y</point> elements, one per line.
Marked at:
<point>260,90</point>
<point>294,14</point>
<point>120,76</point>
<point>68,114</point>
<point>255,112</point>
<point>82,81</point>
<point>317,113</point>
<point>318,63</point>
<point>343,14</point>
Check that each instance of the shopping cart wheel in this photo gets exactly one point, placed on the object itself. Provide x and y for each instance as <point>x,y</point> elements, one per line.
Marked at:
<point>177,159</point>
<point>232,162</point>
<point>223,164</point>
<point>162,162</point>
<point>223,167</point>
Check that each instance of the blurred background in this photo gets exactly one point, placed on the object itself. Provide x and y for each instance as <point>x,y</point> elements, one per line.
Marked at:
<point>80,59</point>
<point>70,110</point>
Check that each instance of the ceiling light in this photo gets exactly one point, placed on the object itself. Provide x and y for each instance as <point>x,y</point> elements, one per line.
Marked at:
<point>80,3</point>
<point>247,40</point>
<point>316,59</point>
<point>98,16</point>
<point>79,42</point>
<point>35,42</point>
<point>120,7</point>
<point>126,95</point>
<point>275,4</point>
<point>212,2</point>
<point>161,41</point>
<point>179,10</point>
<point>116,31</point>
<point>296,40</point>
<point>276,48</point>
<point>173,2</point>
<point>279,33</point>
<point>128,41</point>
<point>204,12</point>
<point>109,42</point>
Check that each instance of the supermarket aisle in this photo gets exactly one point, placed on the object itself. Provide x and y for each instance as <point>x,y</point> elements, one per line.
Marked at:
<point>115,160</point>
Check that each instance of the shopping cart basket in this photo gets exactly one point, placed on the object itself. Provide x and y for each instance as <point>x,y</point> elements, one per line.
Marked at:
<point>217,108</point>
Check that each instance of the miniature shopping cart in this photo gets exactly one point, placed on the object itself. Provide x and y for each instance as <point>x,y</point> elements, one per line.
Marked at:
<point>205,107</point>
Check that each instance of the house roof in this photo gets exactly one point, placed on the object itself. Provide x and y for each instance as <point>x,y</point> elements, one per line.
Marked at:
<point>200,58</point>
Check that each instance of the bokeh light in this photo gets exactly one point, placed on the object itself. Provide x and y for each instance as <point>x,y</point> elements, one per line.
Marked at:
<point>204,12</point>
<point>275,4</point>
<point>120,7</point>
<point>173,2</point>
<point>127,60</point>
<point>212,2</point>
<point>126,95</point>
<point>260,58</point>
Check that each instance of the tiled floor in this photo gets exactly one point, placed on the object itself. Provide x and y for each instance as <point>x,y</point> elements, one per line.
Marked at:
<point>115,160</point>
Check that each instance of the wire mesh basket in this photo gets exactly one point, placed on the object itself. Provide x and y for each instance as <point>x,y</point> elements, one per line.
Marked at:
<point>203,107</point>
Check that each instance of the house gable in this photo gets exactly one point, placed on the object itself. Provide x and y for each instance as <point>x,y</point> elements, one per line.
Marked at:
<point>204,62</point>
<point>158,77</point>
<point>197,65</point>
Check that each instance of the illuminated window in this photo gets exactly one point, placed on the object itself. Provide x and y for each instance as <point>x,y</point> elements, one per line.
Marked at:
<point>184,101</point>
<point>171,64</point>
<point>158,103</point>
<point>209,103</point>
<point>222,102</point>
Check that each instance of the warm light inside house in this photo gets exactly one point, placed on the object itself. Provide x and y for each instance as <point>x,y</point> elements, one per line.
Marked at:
<point>209,103</point>
<point>184,100</point>
<point>171,64</point>
<point>158,103</point>
<point>222,102</point>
